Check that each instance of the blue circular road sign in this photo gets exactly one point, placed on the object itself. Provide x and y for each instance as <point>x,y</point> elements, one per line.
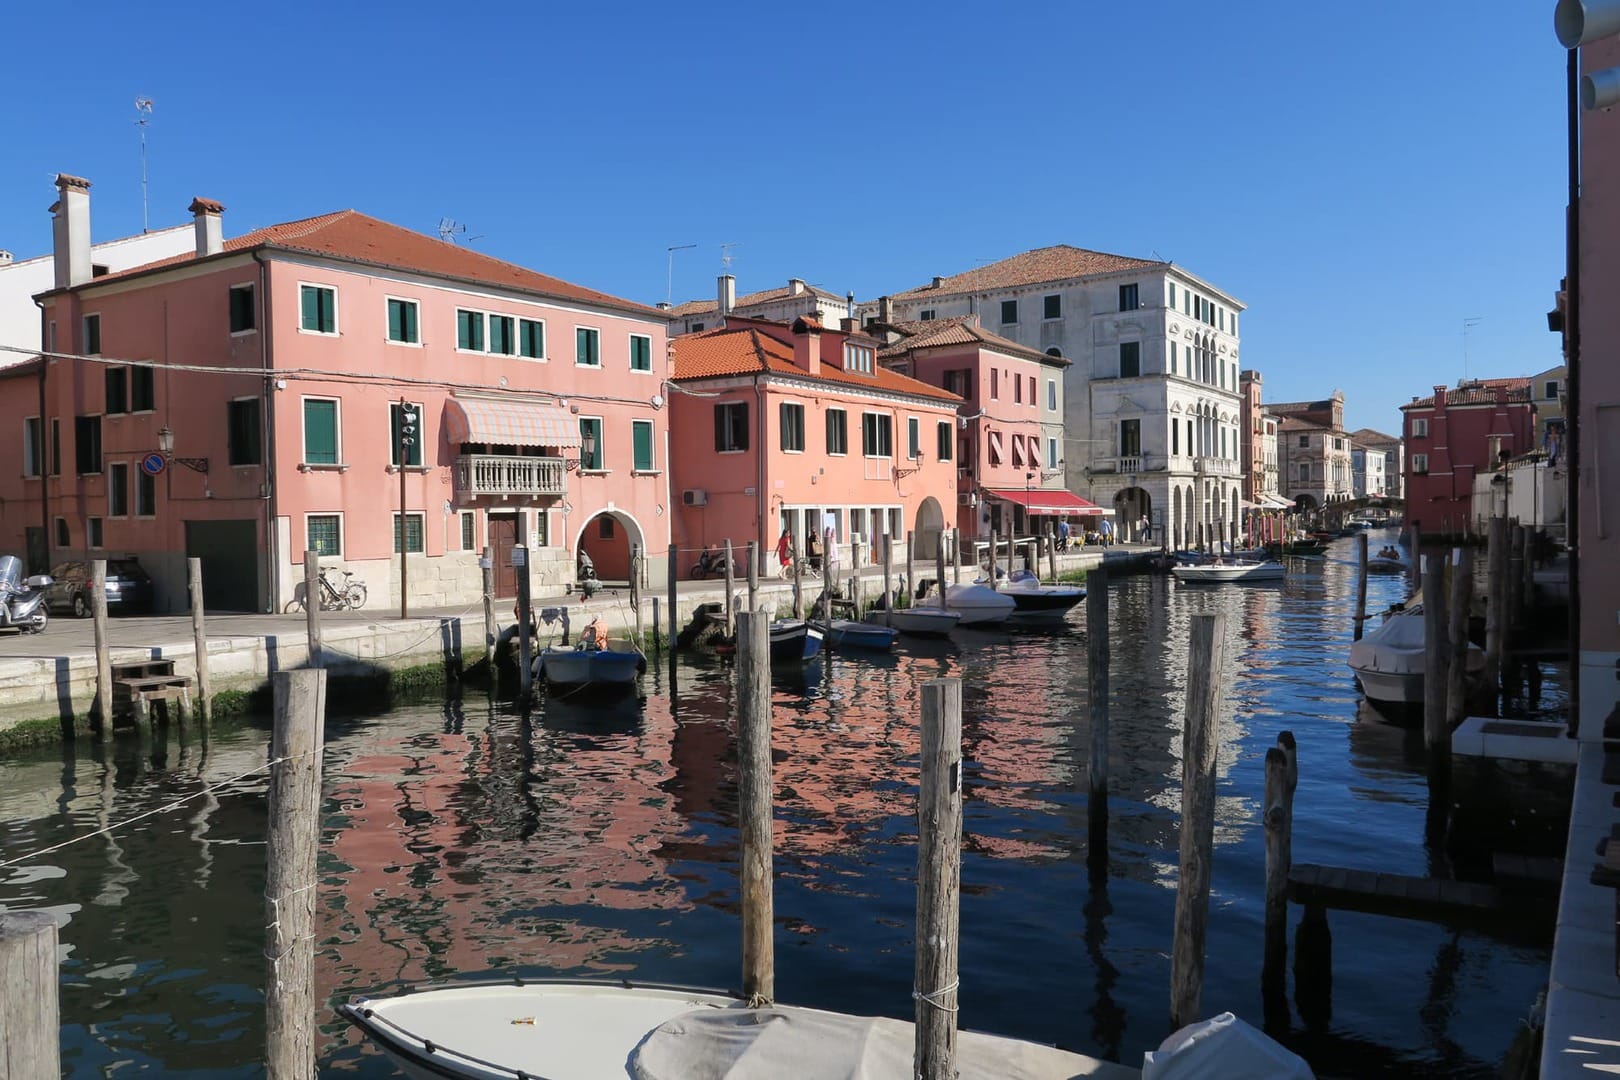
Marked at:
<point>152,464</point>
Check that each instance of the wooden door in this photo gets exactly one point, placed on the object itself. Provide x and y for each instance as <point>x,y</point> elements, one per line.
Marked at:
<point>503,537</point>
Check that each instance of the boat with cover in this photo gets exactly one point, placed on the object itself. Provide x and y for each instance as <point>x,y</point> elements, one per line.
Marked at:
<point>976,602</point>
<point>794,641</point>
<point>849,634</point>
<point>1037,603</point>
<point>1222,572</point>
<point>1389,660</point>
<point>579,1030</point>
<point>615,664</point>
<point>924,620</point>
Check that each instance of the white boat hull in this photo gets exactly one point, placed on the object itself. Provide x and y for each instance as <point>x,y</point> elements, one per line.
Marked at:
<point>1222,573</point>
<point>922,621</point>
<point>978,604</point>
<point>1389,660</point>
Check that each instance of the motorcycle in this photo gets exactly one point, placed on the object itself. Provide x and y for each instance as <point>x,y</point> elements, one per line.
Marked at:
<point>588,581</point>
<point>710,561</point>
<point>22,602</point>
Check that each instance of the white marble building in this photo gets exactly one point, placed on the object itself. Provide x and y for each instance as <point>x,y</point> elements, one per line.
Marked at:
<point>1367,479</point>
<point>1150,401</point>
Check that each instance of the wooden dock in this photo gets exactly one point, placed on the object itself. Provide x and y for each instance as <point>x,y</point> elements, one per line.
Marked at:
<point>139,685</point>
<point>1398,895</point>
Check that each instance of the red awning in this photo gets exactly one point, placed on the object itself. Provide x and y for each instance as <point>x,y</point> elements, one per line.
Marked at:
<point>1047,501</point>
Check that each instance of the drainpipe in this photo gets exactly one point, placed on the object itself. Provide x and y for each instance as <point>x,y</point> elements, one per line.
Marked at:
<point>1572,382</point>
<point>761,496</point>
<point>267,438</point>
<point>44,444</point>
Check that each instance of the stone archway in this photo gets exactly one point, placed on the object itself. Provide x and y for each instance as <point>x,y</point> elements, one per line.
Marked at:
<point>1130,506</point>
<point>608,537</point>
<point>926,531</point>
<point>1305,503</point>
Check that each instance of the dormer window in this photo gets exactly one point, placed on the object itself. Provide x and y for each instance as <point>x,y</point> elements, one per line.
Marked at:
<point>858,358</point>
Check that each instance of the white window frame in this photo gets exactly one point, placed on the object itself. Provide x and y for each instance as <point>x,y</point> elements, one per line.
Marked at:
<point>835,453</point>
<point>877,457</point>
<point>29,448</point>
<point>417,304</point>
<point>861,358</point>
<point>738,450</point>
<point>597,330</point>
<point>1051,453</point>
<point>630,355</point>
<point>337,314</point>
<point>1420,427</point>
<point>601,448</point>
<point>463,516</point>
<point>95,543</point>
<point>652,441</point>
<point>84,332</point>
<point>405,531</point>
<point>483,317</point>
<point>804,426</point>
<point>141,475</point>
<point>1051,395</point>
<point>914,438</point>
<point>1420,464</point>
<point>112,486</point>
<point>489,338</point>
<point>254,329</point>
<point>303,433</point>
<point>545,341</point>
<point>343,531</point>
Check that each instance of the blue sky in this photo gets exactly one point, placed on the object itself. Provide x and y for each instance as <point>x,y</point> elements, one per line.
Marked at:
<point>1362,178</point>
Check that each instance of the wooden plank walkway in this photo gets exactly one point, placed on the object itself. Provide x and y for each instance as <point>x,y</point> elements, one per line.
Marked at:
<point>1398,895</point>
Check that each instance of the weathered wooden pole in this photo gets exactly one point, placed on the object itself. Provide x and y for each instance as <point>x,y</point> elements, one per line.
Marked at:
<point>525,613</point>
<point>98,609</point>
<point>753,575</point>
<point>199,637</point>
<point>30,1018</point>
<point>312,608</point>
<point>1417,558</point>
<point>635,592</point>
<point>798,587</point>
<point>1527,568</point>
<point>939,876</point>
<point>855,575</point>
<point>888,576</point>
<point>993,563</point>
<point>1097,661</point>
<point>1279,822</point>
<point>1206,664</point>
<point>1361,583</point>
<point>731,591</point>
<point>674,572</point>
<point>491,635</point>
<point>1436,672</point>
<point>956,558</point>
<point>291,846</point>
<point>1462,592</point>
<point>1495,601</point>
<point>1032,557</point>
<point>1051,557</point>
<point>910,587</point>
<point>939,570</point>
<point>754,809</point>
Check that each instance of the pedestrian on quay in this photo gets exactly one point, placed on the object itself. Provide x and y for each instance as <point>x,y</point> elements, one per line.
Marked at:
<point>1107,529</point>
<point>1147,529</point>
<point>1063,535</point>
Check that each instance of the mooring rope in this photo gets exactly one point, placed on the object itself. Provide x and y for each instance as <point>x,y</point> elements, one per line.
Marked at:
<point>933,998</point>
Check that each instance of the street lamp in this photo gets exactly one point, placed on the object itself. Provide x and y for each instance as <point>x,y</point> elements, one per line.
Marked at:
<point>408,434</point>
<point>587,453</point>
<point>166,448</point>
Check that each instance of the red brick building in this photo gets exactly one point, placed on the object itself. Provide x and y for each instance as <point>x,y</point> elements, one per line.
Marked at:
<point>1454,435</point>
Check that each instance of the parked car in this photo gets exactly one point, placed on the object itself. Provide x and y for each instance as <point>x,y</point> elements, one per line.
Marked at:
<point>129,588</point>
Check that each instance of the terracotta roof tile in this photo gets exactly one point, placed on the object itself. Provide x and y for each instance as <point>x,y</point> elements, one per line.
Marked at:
<point>748,350</point>
<point>355,237</point>
<point>1057,263</point>
<point>961,330</point>
<point>1477,392</point>
<point>764,296</point>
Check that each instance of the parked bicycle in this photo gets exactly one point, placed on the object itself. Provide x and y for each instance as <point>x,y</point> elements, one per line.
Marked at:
<point>348,594</point>
<point>809,567</point>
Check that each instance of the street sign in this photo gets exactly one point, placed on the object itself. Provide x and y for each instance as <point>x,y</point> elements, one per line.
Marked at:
<point>152,464</point>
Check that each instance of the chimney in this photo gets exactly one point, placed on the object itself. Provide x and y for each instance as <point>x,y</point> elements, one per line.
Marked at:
<point>807,345</point>
<point>727,292</point>
<point>850,325</point>
<point>849,304</point>
<point>5,256</point>
<point>795,286</point>
<point>885,310</point>
<point>1439,399</point>
<point>71,231</point>
<point>939,282</point>
<point>664,305</point>
<point>205,223</point>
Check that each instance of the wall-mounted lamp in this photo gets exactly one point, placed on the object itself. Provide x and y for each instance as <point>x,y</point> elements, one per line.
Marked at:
<point>166,448</point>
<point>587,452</point>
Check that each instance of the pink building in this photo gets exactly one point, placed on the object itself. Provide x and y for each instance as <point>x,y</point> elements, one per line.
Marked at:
<point>1009,463</point>
<point>1455,435</point>
<point>243,402</point>
<point>798,427</point>
<point>1251,427</point>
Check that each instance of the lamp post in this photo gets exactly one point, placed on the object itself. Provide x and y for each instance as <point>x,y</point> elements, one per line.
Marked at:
<point>166,448</point>
<point>1028,476</point>
<point>407,439</point>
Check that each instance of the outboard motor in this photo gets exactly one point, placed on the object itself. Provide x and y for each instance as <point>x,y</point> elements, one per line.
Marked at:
<point>22,603</point>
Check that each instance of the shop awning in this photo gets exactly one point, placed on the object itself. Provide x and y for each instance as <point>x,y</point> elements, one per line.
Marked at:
<point>1274,502</point>
<point>509,423</point>
<point>1048,501</point>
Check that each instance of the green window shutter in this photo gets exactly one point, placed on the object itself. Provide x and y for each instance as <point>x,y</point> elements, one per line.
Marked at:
<point>643,439</point>
<point>320,432</point>
<point>585,347</point>
<point>396,321</point>
<point>312,308</point>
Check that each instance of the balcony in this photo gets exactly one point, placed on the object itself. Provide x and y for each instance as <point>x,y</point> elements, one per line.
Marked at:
<point>1214,466</point>
<point>501,477</point>
<point>1125,463</point>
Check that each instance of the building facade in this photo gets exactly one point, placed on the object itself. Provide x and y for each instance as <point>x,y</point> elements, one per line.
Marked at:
<point>782,304</point>
<point>1394,452</point>
<point>1150,399</point>
<point>796,427</point>
<point>1314,452</point>
<point>1367,473</point>
<point>1252,439</point>
<point>1454,436</point>
<point>1547,389</point>
<point>253,399</point>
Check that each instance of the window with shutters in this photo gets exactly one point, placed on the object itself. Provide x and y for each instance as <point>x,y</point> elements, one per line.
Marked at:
<point>877,435</point>
<point>945,440</point>
<point>92,335</point>
<point>502,335</point>
<point>731,426</point>
<point>87,445</point>
<point>413,534</point>
<point>145,494</point>
<point>244,316</point>
<point>791,419</point>
<point>117,398</point>
<point>321,444</point>
<point>469,530</point>
<point>640,352</point>
<point>1009,312</point>
<point>1128,300</point>
<point>1130,438</point>
<point>1420,463</point>
<point>413,453</point>
<point>403,318</point>
<point>323,534</point>
<point>243,433</point>
<point>587,347</point>
<point>118,490</point>
<point>926,315</point>
<point>641,446</point>
<point>142,388</point>
<point>531,339</point>
<point>469,330</point>
<point>837,432</point>
<point>317,309</point>
<point>913,438</point>
<point>1052,306</point>
<point>592,454</point>
<point>1130,359</point>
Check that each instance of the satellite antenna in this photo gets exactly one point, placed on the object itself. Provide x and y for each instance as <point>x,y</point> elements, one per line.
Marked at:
<point>726,256</point>
<point>669,289</point>
<point>1468,324</point>
<point>143,116</point>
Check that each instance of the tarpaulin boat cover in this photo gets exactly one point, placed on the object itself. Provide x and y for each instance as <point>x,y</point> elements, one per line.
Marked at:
<point>768,1044</point>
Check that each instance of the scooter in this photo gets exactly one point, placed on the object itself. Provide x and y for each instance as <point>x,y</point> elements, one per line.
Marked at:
<point>22,603</point>
<point>711,561</point>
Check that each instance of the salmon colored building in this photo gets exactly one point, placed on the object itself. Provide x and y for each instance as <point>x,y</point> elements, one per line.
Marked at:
<point>243,403</point>
<point>1458,434</point>
<point>778,426</point>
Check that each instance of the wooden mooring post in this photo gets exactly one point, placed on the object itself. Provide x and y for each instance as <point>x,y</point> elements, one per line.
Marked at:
<point>1495,601</point>
<point>1282,776</point>
<point>731,591</point>
<point>98,610</point>
<point>635,593</point>
<point>753,575</point>
<point>1097,661</point>
<point>291,846</point>
<point>1462,593</point>
<point>492,636</point>
<point>956,558</point>
<point>798,583</point>
<point>674,572</point>
<point>30,1011</point>
<point>1051,555</point>
<point>525,616</point>
<point>1417,558</point>
<point>939,875</point>
<point>312,608</point>
<point>939,570</point>
<point>1436,672</point>
<point>1206,665</point>
<point>199,638</point>
<point>888,576</point>
<point>754,810</point>
<point>1361,583</point>
<point>909,586</point>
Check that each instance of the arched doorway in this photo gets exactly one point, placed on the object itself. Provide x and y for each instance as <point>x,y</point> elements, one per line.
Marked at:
<point>1130,507</point>
<point>930,523</point>
<point>1175,518</point>
<point>608,537</point>
<point>1305,503</point>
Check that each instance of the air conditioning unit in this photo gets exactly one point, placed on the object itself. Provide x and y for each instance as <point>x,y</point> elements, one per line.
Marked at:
<point>694,497</point>
<point>967,498</point>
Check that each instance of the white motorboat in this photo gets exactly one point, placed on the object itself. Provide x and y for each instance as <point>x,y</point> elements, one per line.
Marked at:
<point>1223,571</point>
<point>1389,660</point>
<point>588,1031</point>
<point>919,621</point>
<point>1037,603</point>
<point>977,603</point>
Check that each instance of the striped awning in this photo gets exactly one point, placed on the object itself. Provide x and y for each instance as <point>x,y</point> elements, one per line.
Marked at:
<point>509,423</point>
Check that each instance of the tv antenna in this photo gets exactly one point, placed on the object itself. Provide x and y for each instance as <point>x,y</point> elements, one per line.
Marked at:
<point>143,116</point>
<point>726,256</point>
<point>669,289</point>
<point>450,228</point>
<point>1468,324</point>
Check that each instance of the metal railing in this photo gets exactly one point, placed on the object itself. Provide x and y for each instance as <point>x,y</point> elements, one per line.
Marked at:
<point>504,476</point>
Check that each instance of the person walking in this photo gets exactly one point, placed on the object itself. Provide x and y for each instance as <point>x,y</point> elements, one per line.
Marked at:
<point>1063,535</point>
<point>1147,529</point>
<point>784,552</point>
<point>1107,530</point>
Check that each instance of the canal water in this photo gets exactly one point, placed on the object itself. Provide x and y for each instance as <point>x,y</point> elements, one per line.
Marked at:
<point>468,840</point>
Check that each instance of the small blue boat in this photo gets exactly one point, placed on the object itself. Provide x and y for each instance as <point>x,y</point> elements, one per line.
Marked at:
<point>617,665</point>
<point>794,641</point>
<point>848,634</point>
